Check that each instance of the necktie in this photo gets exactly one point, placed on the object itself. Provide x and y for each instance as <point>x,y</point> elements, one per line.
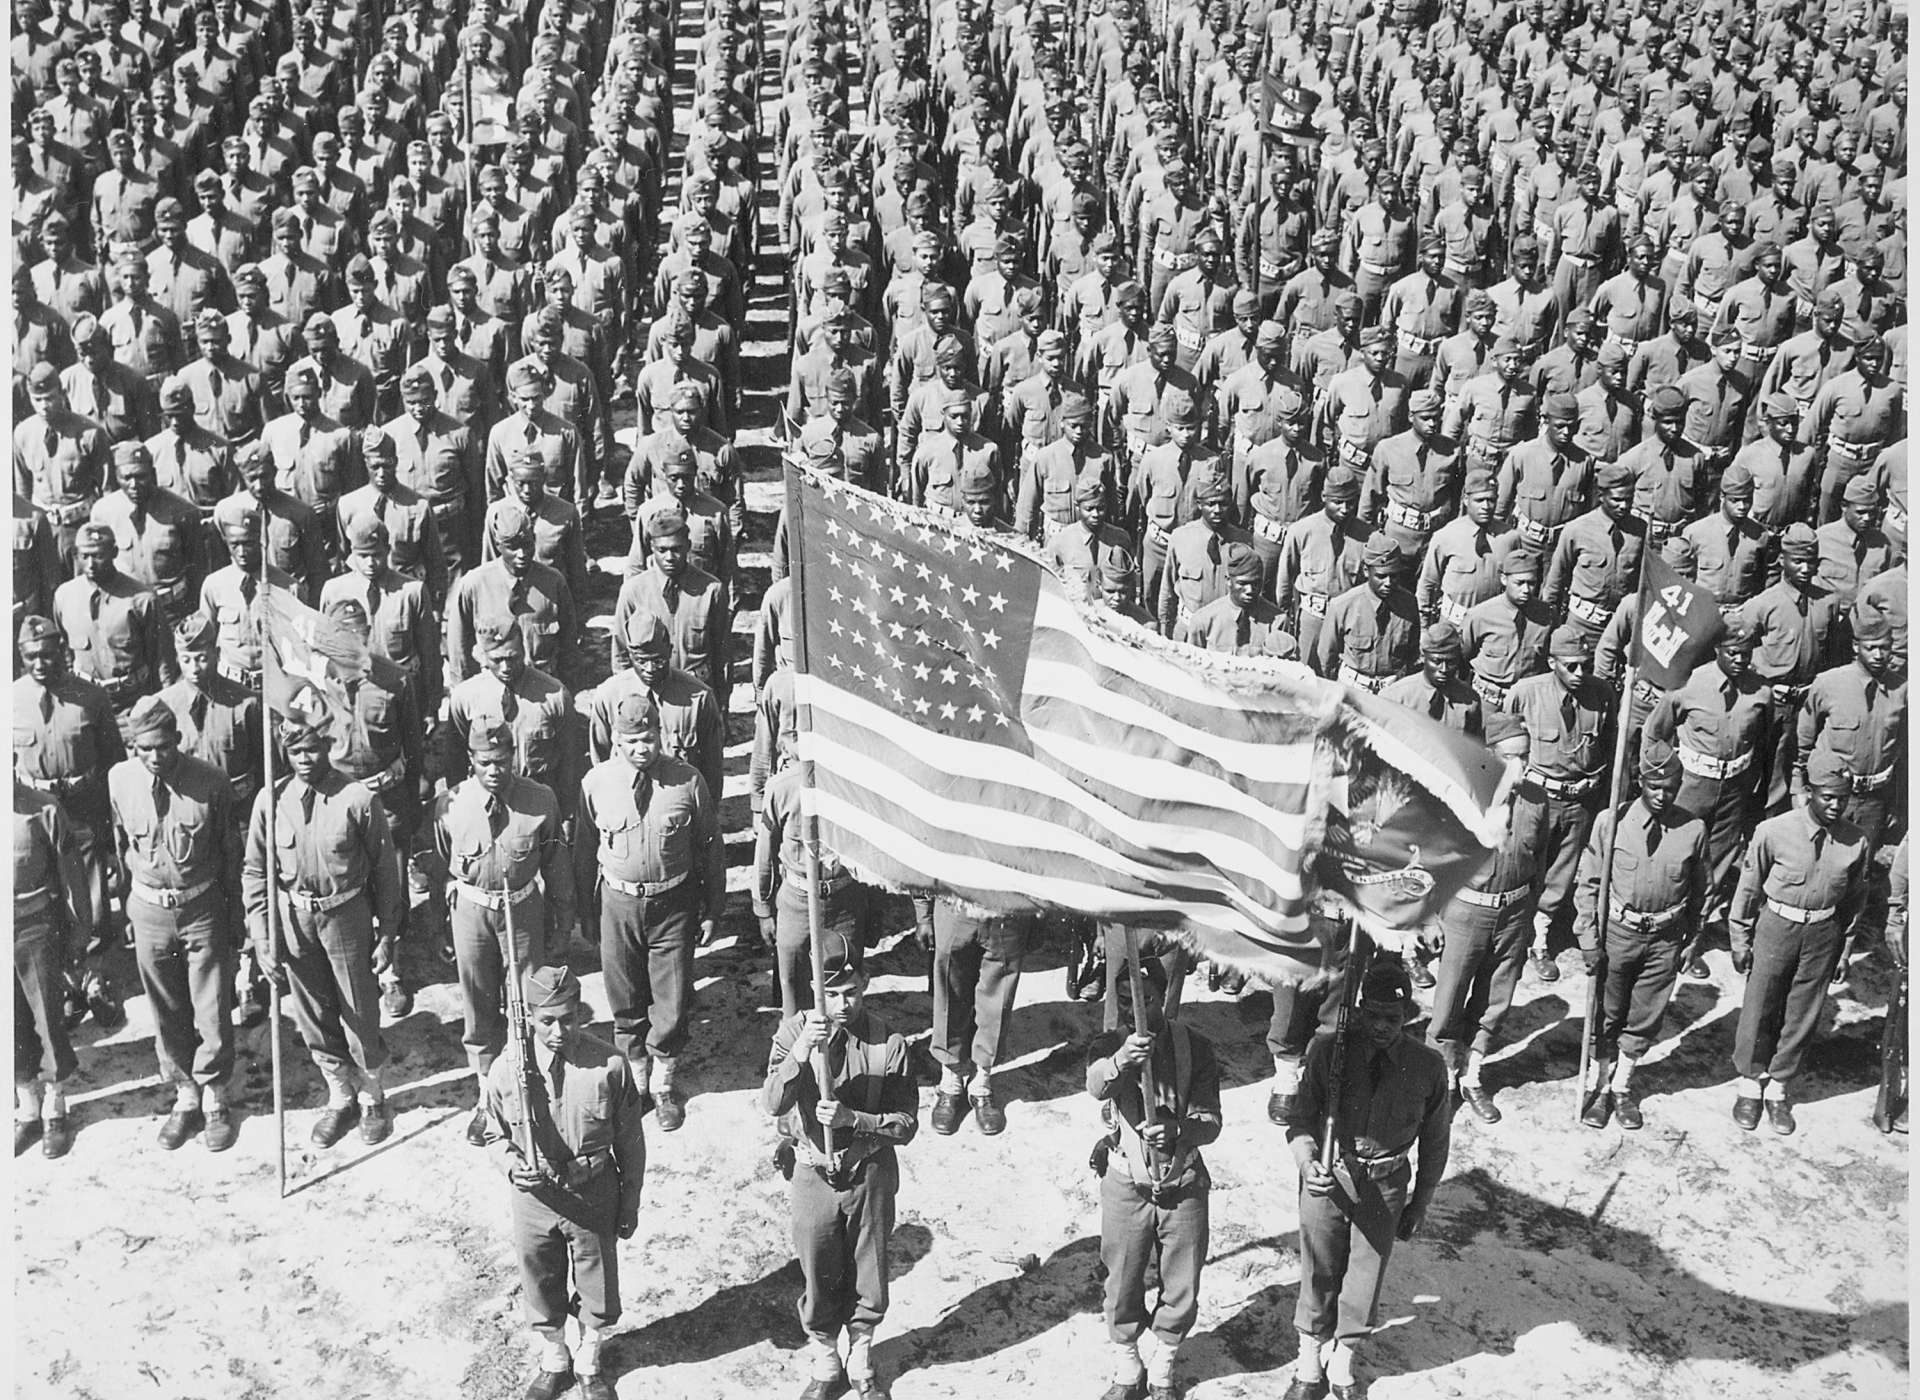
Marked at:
<point>307,796</point>
<point>1243,629</point>
<point>180,457</point>
<point>496,815</point>
<point>52,440</point>
<point>420,436</point>
<point>197,709</point>
<point>1436,706</point>
<point>509,704</point>
<point>93,603</point>
<point>161,799</point>
<point>217,383</point>
<point>559,1077</point>
<point>642,791</point>
<point>532,432</point>
<point>366,325</point>
<point>46,704</point>
<point>306,432</point>
<point>138,320</point>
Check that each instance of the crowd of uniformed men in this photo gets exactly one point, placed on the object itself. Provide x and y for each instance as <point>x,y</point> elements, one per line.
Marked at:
<point>1394,363</point>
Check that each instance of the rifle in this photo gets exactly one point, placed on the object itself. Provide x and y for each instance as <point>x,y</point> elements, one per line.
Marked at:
<point>1357,960</point>
<point>519,1038</point>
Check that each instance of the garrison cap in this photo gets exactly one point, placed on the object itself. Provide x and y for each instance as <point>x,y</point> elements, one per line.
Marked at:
<point>511,523</point>
<point>1561,408</point>
<point>197,632</point>
<point>490,737</point>
<point>151,715</point>
<point>1569,643</point>
<point>1658,757</point>
<point>93,537</point>
<point>666,524</point>
<point>1799,541</point>
<point>1679,551</point>
<point>1244,565</point>
<point>1500,725</point>
<point>1382,550</point>
<point>1871,625</point>
<point>647,637</point>
<point>1614,474</point>
<point>840,964</point>
<point>1828,771</point>
<point>1387,986</point>
<point>1861,491</point>
<point>1442,639</point>
<point>34,629</point>
<point>551,989</point>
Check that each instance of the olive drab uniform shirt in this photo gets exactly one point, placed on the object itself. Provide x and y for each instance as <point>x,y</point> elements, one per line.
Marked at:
<point>507,842</point>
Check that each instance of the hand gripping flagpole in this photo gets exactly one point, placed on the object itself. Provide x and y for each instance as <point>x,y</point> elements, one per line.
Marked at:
<point>809,819</point>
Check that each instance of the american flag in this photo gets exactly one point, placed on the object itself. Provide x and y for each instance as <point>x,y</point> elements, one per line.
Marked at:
<point>974,731</point>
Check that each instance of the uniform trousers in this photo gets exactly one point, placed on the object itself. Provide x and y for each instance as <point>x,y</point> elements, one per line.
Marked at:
<point>1346,1238</point>
<point>1139,1240</point>
<point>1726,808</point>
<point>1480,964</point>
<point>335,999</point>
<point>1786,992</point>
<point>1297,1012</point>
<point>558,1226</point>
<point>976,972</point>
<point>840,1236</point>
<point>41,1047</point>
<point>842,911</point>
<point>1574,284</point>
<point>182,957</point>
<point>478,937</point>
<point>1569,820</point>
<point>1641,968</point>
<point>646,953</point>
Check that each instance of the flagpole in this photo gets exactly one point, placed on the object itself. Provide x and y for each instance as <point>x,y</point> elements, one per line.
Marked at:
<point>1604,914</point>
<point>809,822</point>
<point>1149,1096</point>
<point>273,895</point>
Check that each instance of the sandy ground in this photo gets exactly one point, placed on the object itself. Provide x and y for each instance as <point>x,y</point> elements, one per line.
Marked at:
<point>1688,1260</point>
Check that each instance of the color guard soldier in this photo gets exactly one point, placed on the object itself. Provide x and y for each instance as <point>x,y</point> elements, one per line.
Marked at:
<point>1656,891</point>
<point>1155,1190</point>
<point>654,866</point>
<point>52,912</point>
<point>1795,913</point>
<point>1485,928</point>
<point>838,1148</point>
<point>179,846</point>
<point>1393,1107</point>
<point>498,838</point>
<point>336,876</point>
<point>572,1207</point>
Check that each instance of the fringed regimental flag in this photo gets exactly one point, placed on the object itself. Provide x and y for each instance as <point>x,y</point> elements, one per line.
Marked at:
<point>975,731</point>
<point>311,661</point>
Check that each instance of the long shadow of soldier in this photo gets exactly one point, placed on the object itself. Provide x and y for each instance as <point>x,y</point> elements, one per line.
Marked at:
<point>738,1317</point>
<point>1003,1314</point>
<point>1619,1286</point>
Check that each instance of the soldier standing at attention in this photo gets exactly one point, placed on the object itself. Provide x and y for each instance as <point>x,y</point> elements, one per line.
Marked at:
<point>583,1195</point>
<point>1154,1187</point>
<point>1802,887</point>
<point>1659,881</point>
<point>338,876</point>
<point>845,1173</point>
<point>498,837</point>
<point>1393,1107</point>
<point>180,848</point>
<point>51,909</point>
<point>653,864</point>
